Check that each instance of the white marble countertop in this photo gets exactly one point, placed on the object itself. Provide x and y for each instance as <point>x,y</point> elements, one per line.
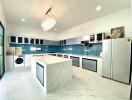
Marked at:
<point>82,56</point>
<point>47,59</point>
<point>76,55</point>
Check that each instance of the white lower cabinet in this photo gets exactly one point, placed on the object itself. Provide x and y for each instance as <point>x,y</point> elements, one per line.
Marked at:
<point>28,60</point>
<point>9,62</point>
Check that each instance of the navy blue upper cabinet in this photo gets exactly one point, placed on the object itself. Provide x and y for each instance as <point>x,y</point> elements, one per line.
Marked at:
<point>12,39</point>
<point>41,41</point>
<point>62,42</point>
<point>100,36</point>
<point>36,41</point>
<point>32,41</point>
<point>20,39</point>
<point>26,40</point>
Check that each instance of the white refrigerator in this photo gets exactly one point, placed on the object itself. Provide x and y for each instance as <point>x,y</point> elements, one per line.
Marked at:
<point>117,59</point>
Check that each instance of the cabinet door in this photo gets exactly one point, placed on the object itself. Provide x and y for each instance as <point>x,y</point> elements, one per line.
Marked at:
<point>121,58</point>
<point>65,56</point>
<point>20,39</point>
<point>89,64</point>
<point>12,39</point>
<point>36,41</point>
<point>75,61</point>
<point>40,73</point>
<point>106,58</point>
<point>28,60</point>
<point>26,40</point>
<point>68,42</point>
<point>73,41</point>
<point>59,55</point>
<point>49,42</point>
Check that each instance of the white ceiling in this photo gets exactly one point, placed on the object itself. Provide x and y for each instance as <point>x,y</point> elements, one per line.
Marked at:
<point>69,13</point>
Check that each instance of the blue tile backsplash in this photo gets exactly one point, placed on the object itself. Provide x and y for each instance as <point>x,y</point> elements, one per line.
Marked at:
<point>92,50</point>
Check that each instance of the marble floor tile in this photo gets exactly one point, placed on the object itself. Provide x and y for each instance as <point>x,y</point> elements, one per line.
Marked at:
<point>20,84</point>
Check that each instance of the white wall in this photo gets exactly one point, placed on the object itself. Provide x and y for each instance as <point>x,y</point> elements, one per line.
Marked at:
<point>131,10</point>
<point>103,24</point>
<point>3,20</point>
<point>31,32</point>
<point>2,16</point>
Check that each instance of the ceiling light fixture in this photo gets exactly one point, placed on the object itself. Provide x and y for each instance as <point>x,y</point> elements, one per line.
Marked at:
<point>98,8</point>
<point>49,22</point>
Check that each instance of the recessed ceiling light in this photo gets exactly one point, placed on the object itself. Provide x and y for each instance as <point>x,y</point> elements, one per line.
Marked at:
<point>23,20</point>
<point>98,8</point>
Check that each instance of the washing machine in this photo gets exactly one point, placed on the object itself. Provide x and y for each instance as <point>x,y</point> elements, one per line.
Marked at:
<point>19,61</point>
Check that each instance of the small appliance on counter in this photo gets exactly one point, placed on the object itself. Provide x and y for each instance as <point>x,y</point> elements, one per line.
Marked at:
<point>18,51</point>
<point>10,51</point>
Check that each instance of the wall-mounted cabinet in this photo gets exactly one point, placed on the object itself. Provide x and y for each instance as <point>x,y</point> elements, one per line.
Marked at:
<point>73,41</point>
<point>62,42</point>
<point>36,41</point>
<point>13,39</point>
<point>100,37</point>
<point>41,42</point>
<point>26,40</point>
<point>20,39</point>
<point>96,38</point>
<point>92,38</point>
<point>49,42</point>
<point>31,41</point>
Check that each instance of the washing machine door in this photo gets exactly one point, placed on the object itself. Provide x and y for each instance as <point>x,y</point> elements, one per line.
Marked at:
<point>19,61</point>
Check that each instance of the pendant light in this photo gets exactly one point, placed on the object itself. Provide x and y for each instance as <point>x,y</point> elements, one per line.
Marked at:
<point>49,22</point>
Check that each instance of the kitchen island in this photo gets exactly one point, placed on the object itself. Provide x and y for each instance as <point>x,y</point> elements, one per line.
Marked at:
<point>51,72</point>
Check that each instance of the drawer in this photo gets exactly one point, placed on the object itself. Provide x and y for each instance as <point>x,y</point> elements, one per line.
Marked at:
<point>59,55</point>
<point>89,64</point>
<point>53,54</point>
<point>65,56</point>
<point>75,61</point>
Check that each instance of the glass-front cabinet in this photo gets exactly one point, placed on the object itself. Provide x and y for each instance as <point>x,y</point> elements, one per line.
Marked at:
<point>2,67</point>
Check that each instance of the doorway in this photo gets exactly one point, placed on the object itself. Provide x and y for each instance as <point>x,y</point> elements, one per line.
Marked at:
<point>2,65</point>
